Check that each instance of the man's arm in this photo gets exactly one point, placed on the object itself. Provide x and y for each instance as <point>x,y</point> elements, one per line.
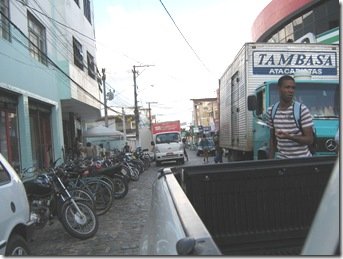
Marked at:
<point>305,139</point>
<point>272,144</point>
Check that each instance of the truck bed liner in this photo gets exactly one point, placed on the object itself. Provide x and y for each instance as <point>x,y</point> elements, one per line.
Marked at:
<point>252,209</point>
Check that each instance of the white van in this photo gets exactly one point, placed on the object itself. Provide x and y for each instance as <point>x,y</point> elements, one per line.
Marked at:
<point>15,224</point>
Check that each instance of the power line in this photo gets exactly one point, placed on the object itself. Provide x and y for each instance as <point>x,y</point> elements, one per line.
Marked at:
<point>48,59</point>
<point>62,24</point>
<point>184,37</point>
<point>67,46</point>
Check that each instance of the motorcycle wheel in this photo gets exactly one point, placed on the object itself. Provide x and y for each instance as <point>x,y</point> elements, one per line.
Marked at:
<point>125,171</point>
<point>81,226</point>
<point>82,195</point>
<point>102,194</point>
<point>134,174</point>
<point>121,187</point>
<point>140,166</point>
<point>108,180</point>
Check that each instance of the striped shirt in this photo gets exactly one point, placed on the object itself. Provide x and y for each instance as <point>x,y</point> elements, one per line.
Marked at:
<point>284,120</point>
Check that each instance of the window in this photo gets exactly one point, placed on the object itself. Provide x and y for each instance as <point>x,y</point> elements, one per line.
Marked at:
<point>321,99</point>
<point>282,35</point>
<point>308,23</point>
<point>167,138</point>
<point>289,31</point>
<point>9,137</point>
<point>87,10</point>
<point>4,20</point>
<point>260,103</point>
<point>298,28</point>
<point>77,2</point>
<point>78,54</point>
<point>333,14</point>
<point>37,39</point>
<point>4,175</point>
<point>91,65</point>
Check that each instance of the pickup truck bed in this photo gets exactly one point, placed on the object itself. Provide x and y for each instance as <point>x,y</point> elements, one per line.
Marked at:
<point>255,207</point>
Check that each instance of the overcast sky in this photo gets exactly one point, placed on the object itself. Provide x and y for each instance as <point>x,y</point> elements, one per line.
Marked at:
<point>140,32</point>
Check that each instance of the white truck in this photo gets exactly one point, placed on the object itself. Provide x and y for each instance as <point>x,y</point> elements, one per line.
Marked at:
<point>168,145</point>
<point>255,71</point>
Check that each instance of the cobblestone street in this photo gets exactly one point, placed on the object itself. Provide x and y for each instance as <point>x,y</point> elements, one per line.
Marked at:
<point>120,229</point>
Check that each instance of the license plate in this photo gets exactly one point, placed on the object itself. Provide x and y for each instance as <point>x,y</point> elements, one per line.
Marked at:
<point>170,154</point>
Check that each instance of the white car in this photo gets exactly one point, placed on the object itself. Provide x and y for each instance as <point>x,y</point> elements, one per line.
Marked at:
<point>15,224</point>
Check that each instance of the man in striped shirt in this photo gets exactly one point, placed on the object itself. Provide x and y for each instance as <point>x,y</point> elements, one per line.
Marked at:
<point>286,138</point>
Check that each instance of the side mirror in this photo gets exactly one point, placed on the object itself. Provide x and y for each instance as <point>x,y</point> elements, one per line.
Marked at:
<point>252,102</point>
<point>152,143</point>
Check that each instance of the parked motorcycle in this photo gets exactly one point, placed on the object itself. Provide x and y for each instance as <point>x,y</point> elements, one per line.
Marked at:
<point>114,171</point>
<point>49,198</point>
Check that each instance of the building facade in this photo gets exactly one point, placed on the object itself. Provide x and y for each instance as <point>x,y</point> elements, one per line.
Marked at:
<point>48,81</point>
<point>307,21</point>
<point>205,112</point>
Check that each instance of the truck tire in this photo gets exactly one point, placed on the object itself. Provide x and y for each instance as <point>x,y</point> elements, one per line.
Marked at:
<point>17,245</point>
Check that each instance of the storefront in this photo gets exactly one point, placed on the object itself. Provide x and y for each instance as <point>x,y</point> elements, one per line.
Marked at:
<point>32,133</point>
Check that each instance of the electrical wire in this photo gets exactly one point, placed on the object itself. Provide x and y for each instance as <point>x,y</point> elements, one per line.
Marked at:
<point>64,47</point>
<point>67,47</point>
<point>62,24</point>
<point>184,37</point>
<point>69,54</point>
<point>49,60</point>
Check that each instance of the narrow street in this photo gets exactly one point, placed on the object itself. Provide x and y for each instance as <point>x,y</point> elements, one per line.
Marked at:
<point>120,229</point>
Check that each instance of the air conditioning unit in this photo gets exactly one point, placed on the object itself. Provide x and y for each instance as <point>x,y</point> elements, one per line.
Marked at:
<point>307,38</point>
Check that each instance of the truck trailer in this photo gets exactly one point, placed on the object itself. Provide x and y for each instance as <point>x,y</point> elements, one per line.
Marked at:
<point>255,71</point>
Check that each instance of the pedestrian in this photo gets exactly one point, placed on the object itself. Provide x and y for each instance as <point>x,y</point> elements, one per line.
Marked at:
<point>219,151</point>
<point>90,151</point>
<point>184,148</point>
<point>205,146</point>
<point>102,151</point>
<point>289,138</point>
<point>126,148</point>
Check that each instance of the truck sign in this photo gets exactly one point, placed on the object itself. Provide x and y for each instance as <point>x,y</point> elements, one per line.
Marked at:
<point>166,126</point>
<point>288,62</point>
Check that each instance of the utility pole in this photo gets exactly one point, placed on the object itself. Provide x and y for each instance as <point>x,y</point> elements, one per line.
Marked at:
<point>105,97</point>
<point>136,103</point>
<point>150,120</point>
<point>124,123</point>
<point>136,106</point>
